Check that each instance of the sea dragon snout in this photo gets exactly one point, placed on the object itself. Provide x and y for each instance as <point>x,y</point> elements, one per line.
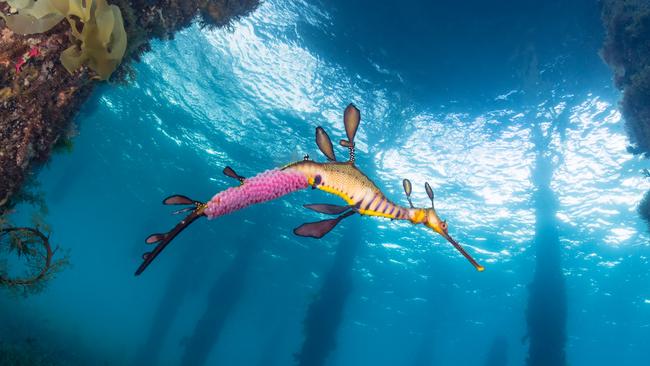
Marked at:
<point>342,179</point>
<point>441,227</point>
<point>429,217</point>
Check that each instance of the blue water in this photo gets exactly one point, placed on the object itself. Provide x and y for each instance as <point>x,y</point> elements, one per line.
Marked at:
<point>456,95</point>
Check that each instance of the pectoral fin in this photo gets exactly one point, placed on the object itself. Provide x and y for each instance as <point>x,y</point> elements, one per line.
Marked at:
<point>230,172</point>
<point>327,208</point>
<point>320,228</point>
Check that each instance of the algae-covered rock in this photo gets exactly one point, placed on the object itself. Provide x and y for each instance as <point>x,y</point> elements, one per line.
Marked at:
<point>221,13</point>
<point>644,208</point>
<point>5,93</point>
<point>101,43</point>
<point>627,50</point>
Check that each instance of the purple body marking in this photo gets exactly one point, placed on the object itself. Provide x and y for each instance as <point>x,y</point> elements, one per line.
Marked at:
<point>265,186</point>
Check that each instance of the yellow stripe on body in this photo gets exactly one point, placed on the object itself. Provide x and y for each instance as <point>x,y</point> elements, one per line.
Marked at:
<point>345,181</point>
<point>377,214</point>
<point>419,216</point>
<point>336,192</point>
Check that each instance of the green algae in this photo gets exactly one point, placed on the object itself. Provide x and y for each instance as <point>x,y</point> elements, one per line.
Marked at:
<point>100,39</point>
<point>103,39</point>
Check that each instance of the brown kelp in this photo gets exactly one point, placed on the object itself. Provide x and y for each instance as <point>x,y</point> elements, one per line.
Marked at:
<point>27,258</point>
<point>33,247</point>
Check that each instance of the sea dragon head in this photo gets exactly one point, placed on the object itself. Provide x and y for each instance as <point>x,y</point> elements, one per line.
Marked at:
<point>440,226</point>
<point>429,217</point>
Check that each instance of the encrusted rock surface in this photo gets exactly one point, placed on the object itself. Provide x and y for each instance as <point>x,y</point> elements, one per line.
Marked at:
<point>627,51</point>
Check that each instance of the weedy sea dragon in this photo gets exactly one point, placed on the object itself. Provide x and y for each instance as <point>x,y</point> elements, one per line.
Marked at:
<point>343,179</point>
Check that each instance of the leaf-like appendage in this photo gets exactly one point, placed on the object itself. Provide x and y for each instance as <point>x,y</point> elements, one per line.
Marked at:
<point>32,17</point>
<point>37,9</point>
<point>72,58</point>
<point>103,39</point>
<point>27,24</point>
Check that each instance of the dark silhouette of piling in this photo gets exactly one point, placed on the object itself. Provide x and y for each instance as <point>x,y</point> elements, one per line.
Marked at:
<point>325,313</point>
<point>178,286</point>
<point>546,312</point>
<point>222,299</point>
<point>498,353</point>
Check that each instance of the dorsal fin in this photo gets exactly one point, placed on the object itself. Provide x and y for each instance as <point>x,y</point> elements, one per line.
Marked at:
<point>325,144</point>
<point>407,190</point>
<point>230,172</point>
<point>351,119</point>
<point>427,187</point>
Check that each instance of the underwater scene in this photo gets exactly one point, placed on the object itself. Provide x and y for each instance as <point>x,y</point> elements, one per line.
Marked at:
<point>332,182</point>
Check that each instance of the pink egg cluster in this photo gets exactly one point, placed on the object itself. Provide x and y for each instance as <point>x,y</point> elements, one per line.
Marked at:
<point>265,186</point>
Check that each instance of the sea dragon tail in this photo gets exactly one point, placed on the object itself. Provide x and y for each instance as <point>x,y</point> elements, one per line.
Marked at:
<point>266,186</point>
<point>164,239</point>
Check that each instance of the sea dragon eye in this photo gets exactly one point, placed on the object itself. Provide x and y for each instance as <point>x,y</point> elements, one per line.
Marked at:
<point>443,225</point>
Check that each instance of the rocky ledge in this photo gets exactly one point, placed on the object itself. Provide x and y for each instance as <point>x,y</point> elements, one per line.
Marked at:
<point>39,96</point>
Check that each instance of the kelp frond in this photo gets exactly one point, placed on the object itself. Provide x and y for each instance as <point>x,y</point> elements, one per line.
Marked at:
<point>100,39</point>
